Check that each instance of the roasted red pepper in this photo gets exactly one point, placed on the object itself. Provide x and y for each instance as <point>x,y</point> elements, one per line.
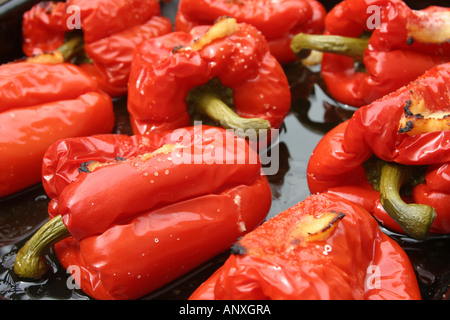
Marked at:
<point>143,210</point>
<point>409,132</point>
<point>403,44</point>
<point>41,103</point>
<point>111,31</point>
<point>323,248</point>
<point>43,28</point>
<point>278,21</point>
<point>212,68</point>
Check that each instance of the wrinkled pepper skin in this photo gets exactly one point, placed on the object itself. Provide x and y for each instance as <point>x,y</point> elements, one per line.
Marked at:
<point>273,262</point>
<point>144,220</point>
<point>40,104</point>
<point>278,21</point>
<point>166,68</point>
<point>43,28</point>
<point>336,165</point>
<point>111,31</point>
<point>397,52</point>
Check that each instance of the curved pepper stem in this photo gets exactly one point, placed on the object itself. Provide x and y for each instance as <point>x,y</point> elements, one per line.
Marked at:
<point>212,106</point>
<point>347,46</point>
<point>71,47</point>
<point>64,53</point>
<point>30,261</point>
<point>415,219</point>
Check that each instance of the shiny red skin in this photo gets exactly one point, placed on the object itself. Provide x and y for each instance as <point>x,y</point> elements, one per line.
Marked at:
<point>278,21</point>
<point>389,60</point>
<point>111,30</point>
<point>40,104</point>
<point>137,225</point>
<point>336,163</point>
<point>161,78</point>
<point>341,267</point>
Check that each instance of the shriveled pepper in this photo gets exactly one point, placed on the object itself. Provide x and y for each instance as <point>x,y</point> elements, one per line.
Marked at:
<point>323,248</point>
<point>204,75</point>
<point>43,100</point>
<point>141,211</point>
<point>111,31</point>
<point>401,45</point>
<point>278,21</point>
<point>393,157</point>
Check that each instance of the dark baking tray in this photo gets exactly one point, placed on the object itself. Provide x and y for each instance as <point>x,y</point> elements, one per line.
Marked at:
<point>313,113</point>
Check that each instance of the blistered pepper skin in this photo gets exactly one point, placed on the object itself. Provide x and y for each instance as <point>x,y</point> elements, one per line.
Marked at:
<point>111,31</point>
<point>395,56</point>
<point>167,210</point>
<point>355,262</point>
<point>278,21</point>
<point>166,68</point>
<point>392,130</point>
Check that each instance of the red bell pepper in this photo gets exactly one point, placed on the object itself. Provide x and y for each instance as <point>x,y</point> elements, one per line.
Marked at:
<point>43,28</point>
<point>141,211</point>
<point>210,69</point>
<point>41,103</point>
<point>403,44</point>
<point>278,21</point>
<point>323,248</point>
<point>408,130</point>
<point>111,31</point>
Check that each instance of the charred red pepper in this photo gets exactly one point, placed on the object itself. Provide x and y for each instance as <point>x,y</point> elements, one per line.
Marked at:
<point>402,45</point>
<point>212,69</point>
<point>401,140</point>
<point>111,31</point>
<point>323,248</point>
<point>278,21</point>
<point>141,211</point>
<point>41,103</point>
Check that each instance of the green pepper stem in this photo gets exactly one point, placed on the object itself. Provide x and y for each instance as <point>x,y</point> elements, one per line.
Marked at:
<point>66,53</point>
<point>30,261</point>
<point>71,47</point>
<point>347,46</point>
<point>415,219</point>
<point>212,106</point>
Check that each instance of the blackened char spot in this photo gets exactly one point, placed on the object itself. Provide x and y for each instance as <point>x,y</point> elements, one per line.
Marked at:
<point>177,48</point>
<point>408,127</point>
<point>408,112</point>
<point>237,249</point>
<point>84,167</point>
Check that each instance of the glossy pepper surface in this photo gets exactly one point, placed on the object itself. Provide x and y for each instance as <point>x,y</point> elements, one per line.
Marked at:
<point>111,31</point>
<point>402,45</point>
<point>323,248</point>
<point>278,21</point>
<point>41,103</point>
<point>228,60</point>
<point>406,130</point>
<point>142,211</point>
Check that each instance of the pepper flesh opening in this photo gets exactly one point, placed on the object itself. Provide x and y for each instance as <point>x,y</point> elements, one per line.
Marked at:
<point>30,260</point>
<point>415,219</point>
<point>91,166</point>
<point>418,119</point>
<point>433,27</point>
<point>223,27</point>
<point>314,228</point>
